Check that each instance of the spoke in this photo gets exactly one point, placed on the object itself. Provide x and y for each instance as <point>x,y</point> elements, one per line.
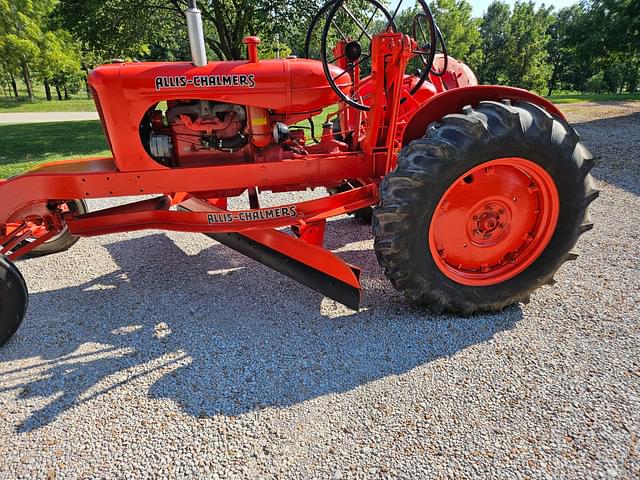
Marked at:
<point>424,35</point>
<point>334,59</point>
<point>393,17</point>
<point>358,22</point>
<point>344,37</point>
<point>368,23</point>
<point>352,66</point>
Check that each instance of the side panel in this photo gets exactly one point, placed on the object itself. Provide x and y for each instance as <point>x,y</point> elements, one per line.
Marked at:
<point>453,101</point>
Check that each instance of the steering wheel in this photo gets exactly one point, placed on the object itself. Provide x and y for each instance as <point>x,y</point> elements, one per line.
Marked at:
<point>420,36</point>
<point>356,31</point>
<point>312,26</point>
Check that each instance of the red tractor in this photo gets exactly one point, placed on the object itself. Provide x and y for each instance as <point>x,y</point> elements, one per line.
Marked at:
<point>479,192</point>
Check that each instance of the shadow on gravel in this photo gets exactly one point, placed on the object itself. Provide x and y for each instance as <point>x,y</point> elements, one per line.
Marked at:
<point>615,142</point>
<point>219,334</point>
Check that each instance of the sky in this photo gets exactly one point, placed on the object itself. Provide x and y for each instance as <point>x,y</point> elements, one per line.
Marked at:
<point>479,6</point>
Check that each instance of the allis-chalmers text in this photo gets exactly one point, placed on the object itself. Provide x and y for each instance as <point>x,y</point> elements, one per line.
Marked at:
<point>253,215</point>
<point>206,81</point>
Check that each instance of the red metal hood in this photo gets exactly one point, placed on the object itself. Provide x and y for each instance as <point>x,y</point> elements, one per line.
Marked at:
<point>283,86</point>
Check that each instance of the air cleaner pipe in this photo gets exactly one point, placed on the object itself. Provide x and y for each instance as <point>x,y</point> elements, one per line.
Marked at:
<point>196,35</point>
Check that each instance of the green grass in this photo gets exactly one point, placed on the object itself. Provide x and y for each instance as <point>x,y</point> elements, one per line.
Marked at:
<point>77,103</point>
<point>11,105</point>
<point>27,145</point>
<point>595,97</point>
<point>318,120</point>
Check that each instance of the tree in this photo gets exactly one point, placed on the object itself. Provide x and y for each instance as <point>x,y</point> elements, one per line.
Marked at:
<point>121,28</point>
<point>527,65</point>
<point>560,48</point>
<point>619,24</point>
<point>30,48</point>
<point>20,30</point>
<point>59,63</point>
<point>459,28</point>
<point>495,34</point>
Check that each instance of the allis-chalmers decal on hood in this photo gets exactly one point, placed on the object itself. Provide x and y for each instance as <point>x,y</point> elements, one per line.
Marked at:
<point>253,215</point>
<point>206,81</point>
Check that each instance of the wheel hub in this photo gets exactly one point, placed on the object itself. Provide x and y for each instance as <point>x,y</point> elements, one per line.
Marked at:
<point>353,51</point>
<point>488,223</point>
<point>494,221</point>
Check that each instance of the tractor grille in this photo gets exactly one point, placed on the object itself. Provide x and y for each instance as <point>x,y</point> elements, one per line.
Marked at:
<point>96,99</point>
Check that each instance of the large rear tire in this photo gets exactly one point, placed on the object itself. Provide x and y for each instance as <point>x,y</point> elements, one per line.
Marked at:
<point>484,209</point>
<point>14,299</point>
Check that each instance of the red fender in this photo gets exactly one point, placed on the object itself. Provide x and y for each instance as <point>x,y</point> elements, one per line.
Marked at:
<point>453,101</point>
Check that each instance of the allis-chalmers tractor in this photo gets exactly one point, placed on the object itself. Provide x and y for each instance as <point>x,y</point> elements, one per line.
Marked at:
<point>479,192</point>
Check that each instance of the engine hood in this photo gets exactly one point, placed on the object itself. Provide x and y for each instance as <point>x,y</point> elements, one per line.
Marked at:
<point>282,86</point>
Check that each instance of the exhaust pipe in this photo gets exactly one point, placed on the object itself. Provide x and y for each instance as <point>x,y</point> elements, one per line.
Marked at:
<point>196,35</point>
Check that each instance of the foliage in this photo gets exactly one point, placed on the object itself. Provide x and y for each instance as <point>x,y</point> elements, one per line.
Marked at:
<point>32,48</point>
<point>527,65</point>
<point>121,28</point>
<point>592,45</point>
<point>459,28</point>
<point>495,33</point>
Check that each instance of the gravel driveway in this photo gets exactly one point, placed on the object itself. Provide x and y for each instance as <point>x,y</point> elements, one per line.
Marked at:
<point>166,355</point>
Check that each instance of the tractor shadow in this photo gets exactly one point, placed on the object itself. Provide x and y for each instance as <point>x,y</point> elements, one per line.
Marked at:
<point>615,143</point>
<point>222,335</point>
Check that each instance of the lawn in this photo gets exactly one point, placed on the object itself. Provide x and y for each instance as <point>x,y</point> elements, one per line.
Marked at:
<point>594,97</point>
<point>79,102</point>
<point>24,146</point>
<point>11,105</point>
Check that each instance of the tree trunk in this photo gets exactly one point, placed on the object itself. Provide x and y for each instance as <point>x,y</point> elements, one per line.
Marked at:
<point>27,79</point>
<point>14,85</point>
<point>66,93</point>
<point>47,90</point>
<point>58,92</point>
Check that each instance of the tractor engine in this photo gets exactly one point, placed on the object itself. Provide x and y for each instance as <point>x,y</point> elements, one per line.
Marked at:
<point>196,132</point>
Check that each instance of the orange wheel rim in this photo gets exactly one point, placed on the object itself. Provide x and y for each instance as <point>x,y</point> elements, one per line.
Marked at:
<point>494,221</point>
<point>38,230</point>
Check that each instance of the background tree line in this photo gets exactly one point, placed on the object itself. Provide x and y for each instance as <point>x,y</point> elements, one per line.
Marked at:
<point>592,46</point>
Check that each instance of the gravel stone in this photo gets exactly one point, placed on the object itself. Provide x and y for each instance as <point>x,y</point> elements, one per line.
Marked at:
<point>165,355</point>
